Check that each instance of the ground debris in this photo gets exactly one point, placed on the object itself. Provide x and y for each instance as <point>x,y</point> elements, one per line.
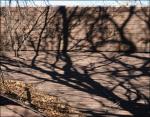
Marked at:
<point>49,105</point>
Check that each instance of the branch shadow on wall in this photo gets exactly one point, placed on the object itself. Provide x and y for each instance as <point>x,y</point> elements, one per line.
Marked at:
<point>84,82</point>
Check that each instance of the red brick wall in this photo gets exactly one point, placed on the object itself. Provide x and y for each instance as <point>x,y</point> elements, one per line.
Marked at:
<point>101,29</point>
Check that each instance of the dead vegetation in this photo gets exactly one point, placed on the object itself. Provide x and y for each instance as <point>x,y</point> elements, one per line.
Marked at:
<point>50,106</point>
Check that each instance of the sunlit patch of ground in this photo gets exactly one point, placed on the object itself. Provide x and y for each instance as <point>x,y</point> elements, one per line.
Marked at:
<point>92,75</point>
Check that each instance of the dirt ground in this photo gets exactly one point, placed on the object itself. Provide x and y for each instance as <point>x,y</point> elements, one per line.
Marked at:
<point>97,84</point>
<point>9,108</point>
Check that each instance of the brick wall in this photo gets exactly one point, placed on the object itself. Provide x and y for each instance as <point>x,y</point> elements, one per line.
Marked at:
<point>81,28</point>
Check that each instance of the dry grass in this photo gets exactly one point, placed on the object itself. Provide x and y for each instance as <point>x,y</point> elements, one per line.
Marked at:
<point>50,106</point>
